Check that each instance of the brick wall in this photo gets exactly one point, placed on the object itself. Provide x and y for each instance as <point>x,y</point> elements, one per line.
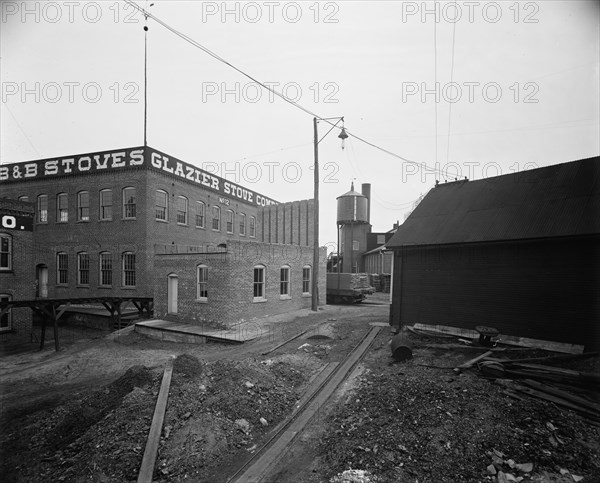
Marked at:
<point>18,282</point>
<point>230,286</point>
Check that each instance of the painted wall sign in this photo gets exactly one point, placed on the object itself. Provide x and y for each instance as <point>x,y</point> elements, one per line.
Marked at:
<point>16,222</point>
<point>138,157</point>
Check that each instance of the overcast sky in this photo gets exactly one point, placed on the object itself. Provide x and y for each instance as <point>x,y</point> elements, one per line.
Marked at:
<point>517,88</point>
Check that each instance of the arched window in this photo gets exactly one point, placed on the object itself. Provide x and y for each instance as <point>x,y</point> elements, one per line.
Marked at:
<point>106,269</point>
<point>5,251</point>
<point>83,268</point>
<point>129,203</point>
<point>62,268</point>
<point>128,269</point>
<point>252,227</point>
<point>306,279</point>
<point>182,210</point>
<point>230,217</point>
<point>42,209</point>
<point>242,224</point>
<point>202,283</point>
<point>162,205</point>
<point>83,206</point>
<point>200,214</point>
<point>62,208</point>
<point>106,202</point>
<point>260,294</point>
<point>284,282</point>
<point>216,218</point>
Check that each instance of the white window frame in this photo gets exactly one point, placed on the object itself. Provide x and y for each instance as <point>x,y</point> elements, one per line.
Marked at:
<point>182,215</point>
<point>105,268</point>
<point>252,227</point>
<point>306,281</point>
<point>104,207</point>
<point>7,253</point>
<point>261,283</point>
<point>62,210</point>
<point>202,283</point>
<point>285,282</point>
<point>164,209</point>
<point>6,297</point>
<point>129,207</point>
<point>127,272</point>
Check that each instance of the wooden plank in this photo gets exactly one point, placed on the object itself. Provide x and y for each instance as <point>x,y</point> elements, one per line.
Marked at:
<point>149,459</point>
<point>563,394</point>
<point>473,361</point>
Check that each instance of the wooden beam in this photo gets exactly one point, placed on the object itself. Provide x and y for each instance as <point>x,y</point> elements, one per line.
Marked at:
<point>470,363</point>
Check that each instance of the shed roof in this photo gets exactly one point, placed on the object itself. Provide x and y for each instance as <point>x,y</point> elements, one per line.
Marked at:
<point>554,201</point>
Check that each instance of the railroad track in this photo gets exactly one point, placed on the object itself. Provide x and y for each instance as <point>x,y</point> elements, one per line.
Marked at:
<point>324,385</point>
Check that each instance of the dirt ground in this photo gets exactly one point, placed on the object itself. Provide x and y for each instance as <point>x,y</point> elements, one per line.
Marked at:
<point>83,414</point>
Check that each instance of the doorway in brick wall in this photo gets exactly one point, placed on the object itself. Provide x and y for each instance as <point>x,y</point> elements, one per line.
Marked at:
<point>172,285</point>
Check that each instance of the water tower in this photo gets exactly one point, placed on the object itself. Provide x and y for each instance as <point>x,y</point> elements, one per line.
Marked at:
<point>353,221</point>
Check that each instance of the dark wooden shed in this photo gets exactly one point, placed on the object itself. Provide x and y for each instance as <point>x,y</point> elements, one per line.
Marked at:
<point>518,252</point>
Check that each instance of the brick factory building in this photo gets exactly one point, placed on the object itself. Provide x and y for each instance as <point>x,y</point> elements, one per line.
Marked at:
<point>99,218</point>
<point>17,274</point>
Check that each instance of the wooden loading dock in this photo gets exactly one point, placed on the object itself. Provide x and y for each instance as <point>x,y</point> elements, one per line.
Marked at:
<point>52,309</point>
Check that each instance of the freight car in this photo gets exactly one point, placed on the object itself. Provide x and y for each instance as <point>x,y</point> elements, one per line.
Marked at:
<point>349,288</point>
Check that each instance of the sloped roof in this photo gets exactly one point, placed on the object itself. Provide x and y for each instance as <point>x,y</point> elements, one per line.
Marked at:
<point>554,201</point>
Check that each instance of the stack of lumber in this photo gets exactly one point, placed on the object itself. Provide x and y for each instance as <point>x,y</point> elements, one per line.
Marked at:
<point>576,390</point>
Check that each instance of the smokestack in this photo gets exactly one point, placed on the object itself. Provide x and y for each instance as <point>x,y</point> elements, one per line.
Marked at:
<point>366,191</point>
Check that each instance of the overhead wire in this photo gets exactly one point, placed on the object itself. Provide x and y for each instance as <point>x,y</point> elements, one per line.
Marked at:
<point>196,44</point>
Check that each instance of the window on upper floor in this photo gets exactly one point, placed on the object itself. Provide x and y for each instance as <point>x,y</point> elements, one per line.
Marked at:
<point>230,217</point>
<point>42,209</point>
<point>129,206</point>
<point>5,251</point>
<point>106,204</point>
<point>252,228</point>
<point>200,214</point>
<point>83,268</point>
<point>83,206</point>
<point>162,205</point>
<point>216,218</point>
<point>242,224</point>
<point>202,283</point>
<point>182,210</point>
<point>62,268</point>
<point>62,208</point>
<point>106,269</point>
<point>129,269</point>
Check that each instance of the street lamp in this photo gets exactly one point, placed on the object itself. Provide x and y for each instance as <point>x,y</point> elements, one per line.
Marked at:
<point>343,136</point>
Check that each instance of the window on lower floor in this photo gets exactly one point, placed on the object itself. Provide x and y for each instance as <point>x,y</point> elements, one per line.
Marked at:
<point>306,279</point>
<point>259,283</point>
<point>202,283</point>
<point>6,319</point>
<point>83,268</point>
<point>284,281</point>
<point>5,251</point>
<point>62,268</point>
<point>106,269</point>
<point>128,269</point>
